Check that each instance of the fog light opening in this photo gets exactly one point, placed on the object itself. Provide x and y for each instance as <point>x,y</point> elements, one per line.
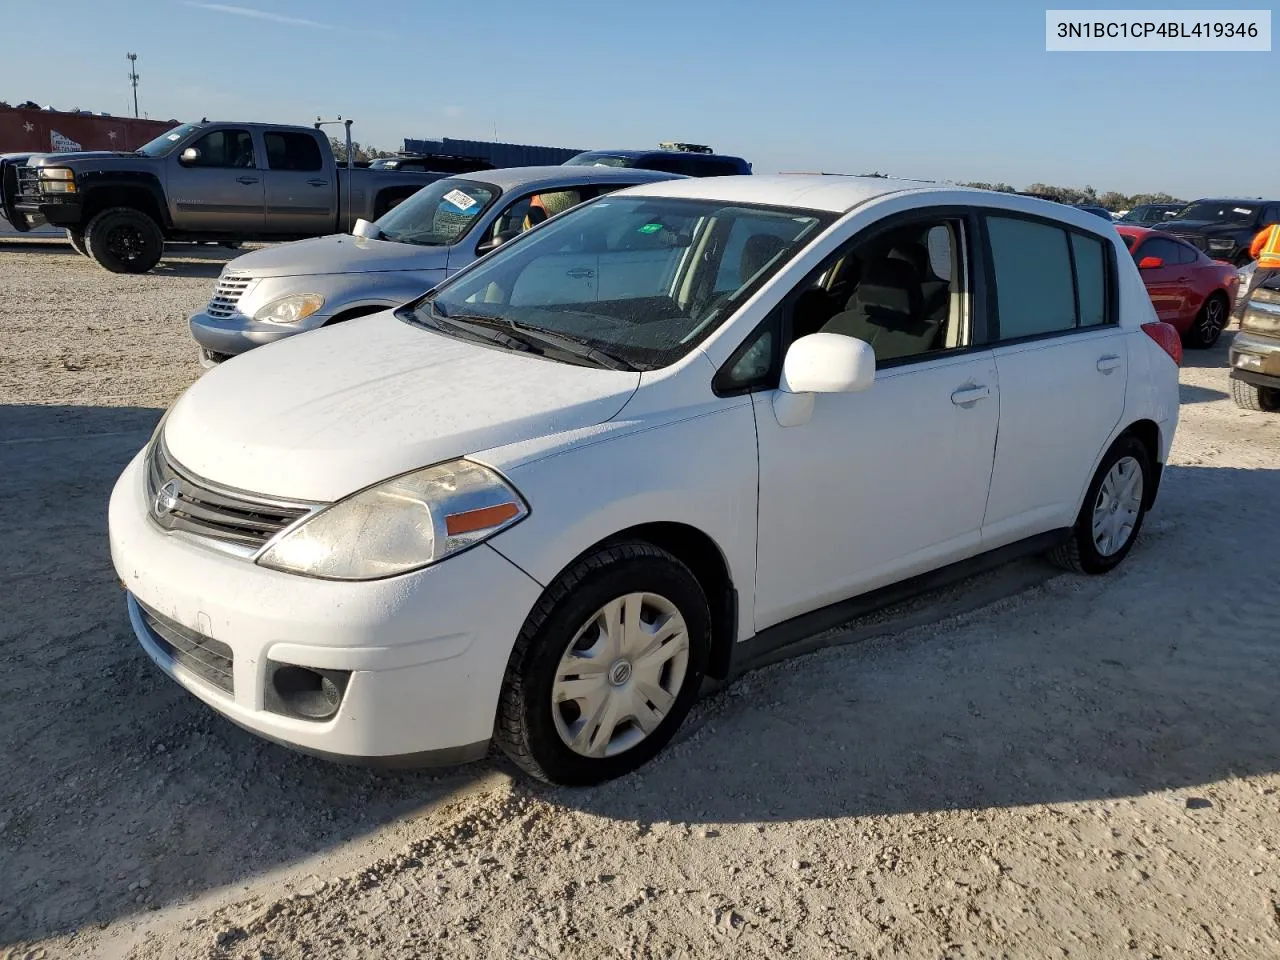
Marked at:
<point>306,693</point>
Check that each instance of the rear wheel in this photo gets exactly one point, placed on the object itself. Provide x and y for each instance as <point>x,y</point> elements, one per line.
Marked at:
<point>124,240</point>
<point>1209,323</point>
<point>1113,511</point>
<point>1249,397</point>
<point>607,666</point>
<point>76,239</point>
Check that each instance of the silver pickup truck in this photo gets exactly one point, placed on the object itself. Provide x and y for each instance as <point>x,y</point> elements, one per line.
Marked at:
<point>200,181</point>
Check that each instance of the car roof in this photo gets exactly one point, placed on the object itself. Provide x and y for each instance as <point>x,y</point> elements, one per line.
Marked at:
<point>636,154</point>
<point>508,178</point>
<point>836,194</point>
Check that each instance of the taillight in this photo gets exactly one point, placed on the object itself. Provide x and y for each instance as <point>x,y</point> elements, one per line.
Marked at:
<point>1166,337</point>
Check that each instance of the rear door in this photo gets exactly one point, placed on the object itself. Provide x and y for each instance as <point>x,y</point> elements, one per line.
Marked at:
<point>301,192</point>
<point>1062,362</point>
<point>221,191</point>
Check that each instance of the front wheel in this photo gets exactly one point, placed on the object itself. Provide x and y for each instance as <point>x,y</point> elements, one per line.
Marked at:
<point>124,240</point>
<point>1208,324</point>
<point>76,239</point>
<point>1249,397</point>
<point>1113,511</point>
<point>606,667</point>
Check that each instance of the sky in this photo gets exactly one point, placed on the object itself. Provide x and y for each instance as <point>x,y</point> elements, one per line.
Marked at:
<point>930,89</point>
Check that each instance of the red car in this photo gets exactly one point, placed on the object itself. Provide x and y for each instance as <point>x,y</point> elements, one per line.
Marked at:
<point>1189,290</point>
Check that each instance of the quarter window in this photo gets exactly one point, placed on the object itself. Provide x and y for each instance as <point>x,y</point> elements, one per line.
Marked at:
<point>1048,279</point>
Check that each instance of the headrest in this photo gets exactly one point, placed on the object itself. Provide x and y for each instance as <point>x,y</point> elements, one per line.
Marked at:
<point>914,254</point>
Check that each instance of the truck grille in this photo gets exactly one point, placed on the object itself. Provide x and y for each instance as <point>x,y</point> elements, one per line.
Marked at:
<point>28,180</point>
<point>209,659</point>
<point>1199,242</point>
<point>226,295</point>
<point>241,522</point>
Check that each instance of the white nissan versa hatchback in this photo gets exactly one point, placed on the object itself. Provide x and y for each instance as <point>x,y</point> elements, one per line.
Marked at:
<point>637,446</point>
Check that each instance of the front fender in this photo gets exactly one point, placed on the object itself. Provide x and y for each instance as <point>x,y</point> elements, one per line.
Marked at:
<point>700,470</point>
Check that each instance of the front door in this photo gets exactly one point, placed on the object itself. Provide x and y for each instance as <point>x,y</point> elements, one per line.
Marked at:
<point>1062,362</point>
<point>221,190</point>
<point>885,484</point>
<point>1166,283</point>
<point>301,193</point>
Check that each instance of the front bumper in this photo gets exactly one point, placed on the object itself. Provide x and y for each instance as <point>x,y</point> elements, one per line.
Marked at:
<point>55,212</point>
<point>1255,359</point>
<point>427,650</point>
<point>231,336</point>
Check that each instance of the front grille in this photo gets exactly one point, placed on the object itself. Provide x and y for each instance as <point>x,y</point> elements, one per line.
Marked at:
<point>1197,241</point>
<point>226,295</point>
<point>182,501</point>
<point>28,182</point>
<point>209,659</point>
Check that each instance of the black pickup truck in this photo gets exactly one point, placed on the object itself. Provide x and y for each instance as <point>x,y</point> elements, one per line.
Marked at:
<point>1222,228</point>
<point>220,182</point>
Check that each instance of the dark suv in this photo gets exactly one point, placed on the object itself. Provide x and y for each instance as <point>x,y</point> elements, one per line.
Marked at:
<point>688,159</point>
<point>1146,214</point>
<point>1222,228</point>
<point>1255,352</point>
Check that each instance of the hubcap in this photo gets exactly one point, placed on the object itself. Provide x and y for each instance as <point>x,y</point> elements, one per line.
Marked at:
<point>1116,511</point>
<point>621,674</point>
<point>126,242</point>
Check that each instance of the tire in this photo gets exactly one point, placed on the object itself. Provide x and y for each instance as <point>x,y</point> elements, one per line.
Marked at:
<point>76,239</point>
<point>537,721</point>
<point>1209,323</point>
<point>1250,397</point>
<point>1087,552</point>
<point>124,240</point>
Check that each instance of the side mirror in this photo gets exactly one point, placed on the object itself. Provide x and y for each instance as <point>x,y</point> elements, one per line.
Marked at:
<point>1150,263</point>
<point>493,243</point>
<point>821,363</point>
<point>189,156</point>
<point>363,228</point>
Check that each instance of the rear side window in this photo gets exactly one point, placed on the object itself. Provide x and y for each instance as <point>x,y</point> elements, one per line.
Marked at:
<point>1048,279</point>
<point>293,151</point>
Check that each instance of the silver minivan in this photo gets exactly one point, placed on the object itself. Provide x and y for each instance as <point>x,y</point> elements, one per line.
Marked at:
<point>278,291</point>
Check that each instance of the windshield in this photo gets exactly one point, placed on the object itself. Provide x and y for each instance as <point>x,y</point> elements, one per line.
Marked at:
<point>1218,211</point>
<point>164,144</point>
<point>640,280</point>
<point>438,214</point>
<point>594,158</point>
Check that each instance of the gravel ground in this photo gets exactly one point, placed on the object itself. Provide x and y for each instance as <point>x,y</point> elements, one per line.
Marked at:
<point>1024,765</point>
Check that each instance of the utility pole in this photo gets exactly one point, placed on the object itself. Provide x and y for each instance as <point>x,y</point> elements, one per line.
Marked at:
<point>133,79</point>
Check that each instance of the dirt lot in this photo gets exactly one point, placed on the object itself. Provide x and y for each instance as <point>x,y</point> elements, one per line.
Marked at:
<point>1026,765</point>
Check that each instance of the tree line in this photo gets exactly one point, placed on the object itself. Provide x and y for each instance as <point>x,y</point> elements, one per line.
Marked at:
<point>359,151</point>
<point>1112,199</point>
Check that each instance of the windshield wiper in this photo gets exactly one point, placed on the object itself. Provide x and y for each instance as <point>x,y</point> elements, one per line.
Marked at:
<point>539,337</point>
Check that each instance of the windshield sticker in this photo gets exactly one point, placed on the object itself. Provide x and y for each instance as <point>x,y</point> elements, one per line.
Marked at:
<point>1245,210</point>
<point>174,136</point>
<point>649,228</point>
<point>460,200</point>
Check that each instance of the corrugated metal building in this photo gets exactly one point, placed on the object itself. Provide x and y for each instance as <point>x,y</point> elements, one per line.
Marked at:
<point>499,154</point>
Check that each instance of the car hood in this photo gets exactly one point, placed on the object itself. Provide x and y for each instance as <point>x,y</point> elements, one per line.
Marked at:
<point>70,159</point>
<point>1208,228</point>
<point>340,253</point>
<point>321,415</point>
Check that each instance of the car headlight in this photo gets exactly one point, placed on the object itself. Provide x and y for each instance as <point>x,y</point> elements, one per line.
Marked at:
<point>402,524</point>
<point>290,309</point>
<point>57,180</point>
<point>1221,243</point>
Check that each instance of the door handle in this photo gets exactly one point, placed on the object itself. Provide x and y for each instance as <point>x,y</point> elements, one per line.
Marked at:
<point>1182,279</point>
<point>580,273</point>
<point>967,395</point>
<point>1108,363</point>
<point>246,180</point>
<point>316,182</point>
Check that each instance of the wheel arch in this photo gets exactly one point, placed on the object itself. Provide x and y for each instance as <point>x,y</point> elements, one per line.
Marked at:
<point>1146,432</point>
<point>142,193</point>
<point>705,559</point>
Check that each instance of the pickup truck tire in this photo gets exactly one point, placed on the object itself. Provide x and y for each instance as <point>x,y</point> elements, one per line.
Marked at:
<point>76,239</point>
<point>124,240</point>
<point>1250,397</point>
